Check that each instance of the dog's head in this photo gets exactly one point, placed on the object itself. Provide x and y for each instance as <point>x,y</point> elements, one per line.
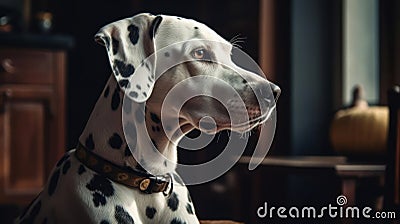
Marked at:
<point>153,57</point>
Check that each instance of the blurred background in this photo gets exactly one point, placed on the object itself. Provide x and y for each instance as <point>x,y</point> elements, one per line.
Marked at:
<point>316,51</point>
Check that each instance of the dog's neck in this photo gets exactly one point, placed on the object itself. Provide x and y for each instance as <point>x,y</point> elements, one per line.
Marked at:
<point>104,133</point>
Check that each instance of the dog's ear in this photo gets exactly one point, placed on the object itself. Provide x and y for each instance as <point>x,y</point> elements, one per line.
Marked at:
<point>129,43</point>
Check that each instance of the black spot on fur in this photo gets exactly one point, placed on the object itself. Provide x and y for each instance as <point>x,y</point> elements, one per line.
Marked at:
<point>99,199</point>
<point>189,208</point>
<point>147,66</point>
<point>66,166</point>
<point>150,212</point>
<point>173,202</point>
<point>154,26</point>
<point>155,118</point>
<point>122,216</point>
<point>150,79</point>
<point>89,143</point>
<point>177,221</point>
<point>81,169</point>
<point>115,45</point>
<point>125,70</point>
<point>196,28</point>
<point>148,85</point>
<point>104,222</point>
<point>165,163</point>
<point>53,182</point>
<point>61,161</point>
<point>133,94</point>
<point>101,189</point>
<point>115,141</point>
<point>178,179</point>
<point>166,54</point>
<point>106,92</point>
<point>133,34</point>
<point>179,18</point>
<point>124,83</point>
<point>116,99</point>
<point>138,87</point>
<point>127,151</point>
<point>144,94</point>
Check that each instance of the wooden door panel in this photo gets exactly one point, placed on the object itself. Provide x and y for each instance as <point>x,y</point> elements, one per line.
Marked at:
<point>26,145</point>
<point>24,117</point>
<point>32,119</point>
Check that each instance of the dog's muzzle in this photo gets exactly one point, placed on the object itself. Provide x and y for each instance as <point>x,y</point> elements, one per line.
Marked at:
<point>276,91</point>
<point>254,109</point>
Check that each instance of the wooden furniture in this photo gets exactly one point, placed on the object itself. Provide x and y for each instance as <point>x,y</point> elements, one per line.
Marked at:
<point>32,114</point>
<point>350,174</point>
<point>392,183</point>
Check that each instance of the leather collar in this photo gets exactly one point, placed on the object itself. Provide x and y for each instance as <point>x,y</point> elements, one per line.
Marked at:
<point>145,182</point>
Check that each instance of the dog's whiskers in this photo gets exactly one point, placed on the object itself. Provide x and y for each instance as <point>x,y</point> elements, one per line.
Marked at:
<point>245,135</point>
<point>236,40</point>
<point>233,38</point>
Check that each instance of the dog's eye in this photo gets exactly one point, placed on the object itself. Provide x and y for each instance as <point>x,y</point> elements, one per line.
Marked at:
<point>201,54</point>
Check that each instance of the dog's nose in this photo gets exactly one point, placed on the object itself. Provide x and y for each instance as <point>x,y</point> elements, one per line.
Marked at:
<point>275,90</point>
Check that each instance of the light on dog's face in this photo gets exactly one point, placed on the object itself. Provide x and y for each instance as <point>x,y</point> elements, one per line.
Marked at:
<point>239,99</point>
<point>234,98</point>
<point>213,85</point>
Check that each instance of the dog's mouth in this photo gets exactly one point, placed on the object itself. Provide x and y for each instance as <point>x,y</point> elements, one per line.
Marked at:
<point>236,115</point>
<point>255,119</point>
<point>254,114</point>
<point>243,120</point>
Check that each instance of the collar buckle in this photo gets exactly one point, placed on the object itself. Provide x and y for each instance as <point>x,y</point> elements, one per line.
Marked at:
<point>147,184</point>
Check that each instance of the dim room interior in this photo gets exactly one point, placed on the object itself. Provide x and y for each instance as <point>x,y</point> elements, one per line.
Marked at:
<point>337,130</point>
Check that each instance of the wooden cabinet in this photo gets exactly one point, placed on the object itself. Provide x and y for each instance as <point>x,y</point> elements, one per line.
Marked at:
<point>32,119</point>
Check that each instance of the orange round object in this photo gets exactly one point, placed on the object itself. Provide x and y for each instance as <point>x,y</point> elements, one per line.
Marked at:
<point>360,132</point>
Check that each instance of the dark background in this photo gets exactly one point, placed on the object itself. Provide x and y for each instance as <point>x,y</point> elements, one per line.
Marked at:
<point>308,49</point>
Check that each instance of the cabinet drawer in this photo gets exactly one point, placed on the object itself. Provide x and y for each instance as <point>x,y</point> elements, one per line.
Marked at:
<point>23,66</point>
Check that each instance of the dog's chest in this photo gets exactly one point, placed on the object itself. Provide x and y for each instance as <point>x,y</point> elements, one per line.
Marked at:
<point>156,208</point>
<point>92,198</point>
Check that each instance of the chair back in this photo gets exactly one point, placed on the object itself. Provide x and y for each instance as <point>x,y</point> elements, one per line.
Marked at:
<point>392,177</point>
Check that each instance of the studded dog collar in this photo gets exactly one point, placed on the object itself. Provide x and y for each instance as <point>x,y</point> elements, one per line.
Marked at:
<point>131,178</point>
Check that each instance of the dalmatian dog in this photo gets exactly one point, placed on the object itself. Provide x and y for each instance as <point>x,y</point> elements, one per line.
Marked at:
<point>101,181</point>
